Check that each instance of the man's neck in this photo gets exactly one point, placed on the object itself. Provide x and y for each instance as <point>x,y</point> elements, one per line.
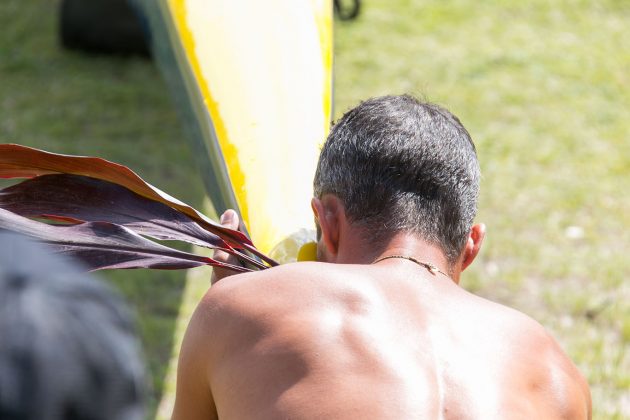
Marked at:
<point>360,251</point>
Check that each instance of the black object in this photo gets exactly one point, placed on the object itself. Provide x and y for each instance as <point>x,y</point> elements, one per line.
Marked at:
<point>347,12</point>
<point>68,348</point>
<point>103,26</point>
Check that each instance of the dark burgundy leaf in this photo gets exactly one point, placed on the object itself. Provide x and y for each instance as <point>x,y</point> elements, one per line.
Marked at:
<point>94,200</point>
<point>18,161</point>
<point>68,198</point>
<point>102,245</point>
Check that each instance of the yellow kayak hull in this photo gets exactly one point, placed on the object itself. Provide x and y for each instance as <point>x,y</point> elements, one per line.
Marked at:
<point>254,82</point>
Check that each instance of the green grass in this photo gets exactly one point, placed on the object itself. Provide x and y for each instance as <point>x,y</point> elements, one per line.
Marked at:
<point>114,108</point>
<point>543,87</point>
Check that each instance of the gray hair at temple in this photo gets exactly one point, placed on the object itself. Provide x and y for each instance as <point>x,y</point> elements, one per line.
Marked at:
<point>67,344</point>
<point>399,164</point>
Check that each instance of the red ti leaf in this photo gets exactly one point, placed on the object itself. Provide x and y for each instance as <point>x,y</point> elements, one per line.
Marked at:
<point>82,198</point>
<point>74,198</point>
<point>18,161</point>
<point>101,245</point>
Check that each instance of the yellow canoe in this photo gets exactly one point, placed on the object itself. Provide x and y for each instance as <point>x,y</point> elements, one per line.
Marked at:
<point>253,80</point>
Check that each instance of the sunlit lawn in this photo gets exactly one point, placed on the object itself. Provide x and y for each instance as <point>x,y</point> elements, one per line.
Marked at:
<point>543,87</point>
<point>110,107</point>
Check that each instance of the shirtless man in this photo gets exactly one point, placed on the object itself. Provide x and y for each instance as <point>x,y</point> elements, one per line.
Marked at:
<point>379,328</point>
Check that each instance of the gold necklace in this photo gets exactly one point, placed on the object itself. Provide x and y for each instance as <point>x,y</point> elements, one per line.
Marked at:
<point>432,269</point>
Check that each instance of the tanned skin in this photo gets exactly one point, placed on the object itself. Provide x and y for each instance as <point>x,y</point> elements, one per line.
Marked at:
<point>347,339</point>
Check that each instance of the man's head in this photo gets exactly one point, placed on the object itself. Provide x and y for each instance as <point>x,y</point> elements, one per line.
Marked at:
<point>67,346</point>
<point>401,165</point>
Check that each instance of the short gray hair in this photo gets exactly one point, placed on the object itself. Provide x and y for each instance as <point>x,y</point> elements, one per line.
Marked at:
<point>399,164</point>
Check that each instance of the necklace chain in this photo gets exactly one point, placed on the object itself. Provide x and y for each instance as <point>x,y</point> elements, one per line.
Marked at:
<point>432,269</point>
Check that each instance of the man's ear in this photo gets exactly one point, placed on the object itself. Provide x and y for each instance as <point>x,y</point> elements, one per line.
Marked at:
<point>473,244</point>
<point>327,212</point>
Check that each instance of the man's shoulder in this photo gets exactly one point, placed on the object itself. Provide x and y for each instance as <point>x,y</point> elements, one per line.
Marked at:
<point>241,309</point>
<point>291,275</point>
<point>270,289</point>
<point>499,316</point>
<point>535,355</point>
<point>525,335</point>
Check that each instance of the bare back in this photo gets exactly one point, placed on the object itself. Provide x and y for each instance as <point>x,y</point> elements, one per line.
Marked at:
<point>314,340</point>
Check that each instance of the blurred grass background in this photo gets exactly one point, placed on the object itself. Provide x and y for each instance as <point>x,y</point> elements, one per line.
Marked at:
<point>543,87</point>
<point>110,107</point>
